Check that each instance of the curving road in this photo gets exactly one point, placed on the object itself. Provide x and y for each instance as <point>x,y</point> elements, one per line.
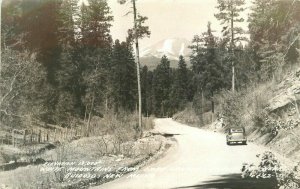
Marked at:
<point>200,159</point>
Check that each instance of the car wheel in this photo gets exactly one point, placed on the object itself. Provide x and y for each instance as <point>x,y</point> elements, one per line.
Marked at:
<point>228,143</point>
<point>245,143</point>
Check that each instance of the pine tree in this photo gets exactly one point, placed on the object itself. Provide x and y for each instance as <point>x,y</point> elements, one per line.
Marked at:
<point>40,27</point>
<point>11,36</point>
<point>95,24</point>
<point>207,66</point>
<point>94,57</point>
<point>212,68</point>
<point>229,16</point>
<point>123,76</point>
<point>69,79</point>
<point>95,41</point>
<point>197,61</point>
<point>68,23</point>
<point>180,85</point>
<point>274,33</point>
<point>69,74</point>
<point>147,91</point>
<point>34,27</point>
<point>138,31</point>
<point>162,87</point>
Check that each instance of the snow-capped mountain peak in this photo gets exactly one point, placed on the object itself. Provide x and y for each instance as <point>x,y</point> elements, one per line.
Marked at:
<point>172,48</point>
<point>167,47</point>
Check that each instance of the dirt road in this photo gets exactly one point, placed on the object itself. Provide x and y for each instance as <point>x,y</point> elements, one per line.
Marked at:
<point>200,159</point>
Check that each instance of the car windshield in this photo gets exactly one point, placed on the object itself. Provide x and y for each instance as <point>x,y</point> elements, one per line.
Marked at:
<point>237,130</point>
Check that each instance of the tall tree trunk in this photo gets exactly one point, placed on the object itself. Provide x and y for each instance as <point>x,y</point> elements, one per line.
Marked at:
<point>85,113</point>
<point>137,57</point>
<point>296,106</point>
<point>106,104</point>
<point>90,117</point>
<point>232,53</point>
<point>1,39</point>
<point>233,77</point>
<point>212,102</point>
<point>202,108</point>
<point>212,107</point>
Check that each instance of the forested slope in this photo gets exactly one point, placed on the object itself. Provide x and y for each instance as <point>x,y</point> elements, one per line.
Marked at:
<point>265,97</point>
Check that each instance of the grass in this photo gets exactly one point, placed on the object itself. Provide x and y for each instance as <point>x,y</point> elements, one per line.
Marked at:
<point>191,115</point>
<point>115,124</point>
<point>82,150</point>
<point>113,140</point>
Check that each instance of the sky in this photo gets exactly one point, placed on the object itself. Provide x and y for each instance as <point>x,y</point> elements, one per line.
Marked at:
<point>167,18</point>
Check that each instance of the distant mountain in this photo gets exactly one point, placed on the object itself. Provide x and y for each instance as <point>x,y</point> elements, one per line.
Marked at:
<point>171,47</point>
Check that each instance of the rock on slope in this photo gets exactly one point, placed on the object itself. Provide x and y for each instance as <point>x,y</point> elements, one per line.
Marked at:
<point>288,92</point>
<point>284,106</point>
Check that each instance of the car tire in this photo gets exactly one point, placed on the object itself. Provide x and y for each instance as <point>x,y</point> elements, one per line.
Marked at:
<point>244,143</point>
<point>228,143</point>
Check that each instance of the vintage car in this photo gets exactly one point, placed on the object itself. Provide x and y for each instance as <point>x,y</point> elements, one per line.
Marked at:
<point>236,136</point>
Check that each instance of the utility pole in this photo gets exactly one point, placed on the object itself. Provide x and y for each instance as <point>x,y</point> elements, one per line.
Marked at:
<point>137,60</point>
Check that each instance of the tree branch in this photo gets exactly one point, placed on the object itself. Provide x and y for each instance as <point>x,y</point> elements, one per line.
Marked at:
<point>11,86</point>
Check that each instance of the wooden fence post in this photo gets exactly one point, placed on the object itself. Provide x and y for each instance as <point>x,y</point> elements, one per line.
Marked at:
<point>67,133</point>
<point>54,135</point>
<point>24,137</point>
<point>31,136</point>
<point>61,134</point>
<point>13,137</point>
<point>39,137</point>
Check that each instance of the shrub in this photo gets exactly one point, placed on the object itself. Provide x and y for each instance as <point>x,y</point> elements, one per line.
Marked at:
<point>270,168</point>
<point>290,179</point>
<point>189,116</point>
<point>231,107</point>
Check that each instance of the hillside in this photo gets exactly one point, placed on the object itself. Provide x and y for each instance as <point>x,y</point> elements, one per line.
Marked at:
<point>283,113</point>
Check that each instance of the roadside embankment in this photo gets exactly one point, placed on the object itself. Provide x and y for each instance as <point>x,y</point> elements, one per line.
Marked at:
<point>269,111</point>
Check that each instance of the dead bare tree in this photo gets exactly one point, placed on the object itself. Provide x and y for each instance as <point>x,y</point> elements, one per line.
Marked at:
<point>137,66</point>
<point>138,32</point>
<point>18,79</point>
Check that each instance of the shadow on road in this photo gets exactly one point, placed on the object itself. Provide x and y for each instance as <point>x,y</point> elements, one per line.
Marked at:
<point>234,181</point>
<point>237,144</point>
<point>165,134</point>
